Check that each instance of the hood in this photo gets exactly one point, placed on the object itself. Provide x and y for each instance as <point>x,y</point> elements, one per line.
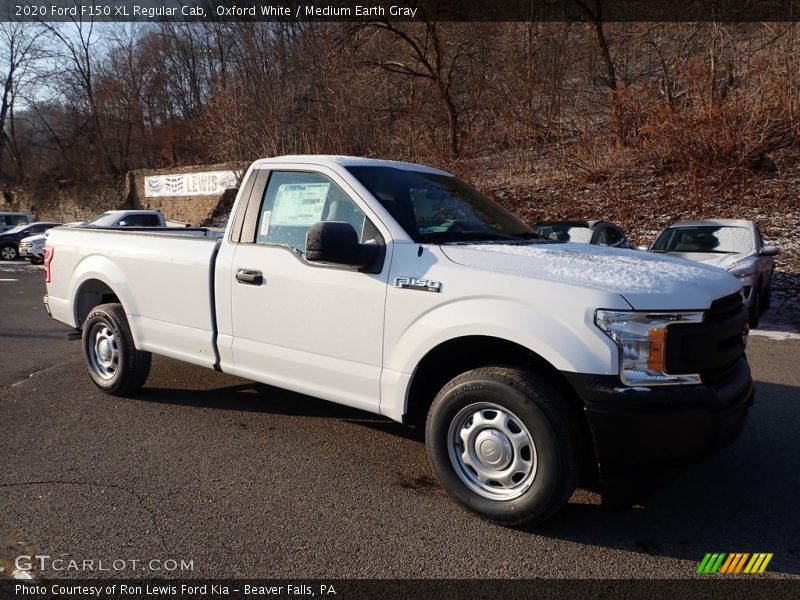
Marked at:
<point>647,281</point>
<point>33,239</point>
<point>722,261</point>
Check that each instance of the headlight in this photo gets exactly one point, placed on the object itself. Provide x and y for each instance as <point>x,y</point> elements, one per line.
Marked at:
<point>743,268</point>
<point>641,338</point>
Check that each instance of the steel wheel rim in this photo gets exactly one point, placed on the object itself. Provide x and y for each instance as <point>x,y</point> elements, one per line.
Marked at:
<point>103,351</point>
<point>492,451</point>
<point>8,253</point>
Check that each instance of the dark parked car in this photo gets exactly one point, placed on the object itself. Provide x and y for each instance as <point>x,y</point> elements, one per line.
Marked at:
<point>600,233</point>
<point>9,240</point>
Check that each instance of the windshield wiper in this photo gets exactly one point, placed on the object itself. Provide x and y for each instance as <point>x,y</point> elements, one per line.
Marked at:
<point>530,235</point>
<point>468,236</point>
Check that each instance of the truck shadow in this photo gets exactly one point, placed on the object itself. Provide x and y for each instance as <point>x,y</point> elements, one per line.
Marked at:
<point>261,398</point>
<point>743,500</point>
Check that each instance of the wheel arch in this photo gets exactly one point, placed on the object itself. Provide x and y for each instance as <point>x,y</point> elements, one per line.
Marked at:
<point>458,355</point>
<point>97,280</point>
<point>92,292</point>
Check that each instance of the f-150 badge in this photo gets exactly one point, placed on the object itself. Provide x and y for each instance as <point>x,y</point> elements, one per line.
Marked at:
<point>422,285</point>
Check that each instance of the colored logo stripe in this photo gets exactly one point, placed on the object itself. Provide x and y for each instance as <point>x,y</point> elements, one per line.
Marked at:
<point>758,563</point>
<point>721,562</point>
<point>735,562</point>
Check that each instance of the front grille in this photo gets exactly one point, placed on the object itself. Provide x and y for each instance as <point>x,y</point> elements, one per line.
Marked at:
<point>711,348</point>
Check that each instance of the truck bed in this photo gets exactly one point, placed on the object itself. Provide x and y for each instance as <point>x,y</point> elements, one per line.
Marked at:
<point>172,311</point>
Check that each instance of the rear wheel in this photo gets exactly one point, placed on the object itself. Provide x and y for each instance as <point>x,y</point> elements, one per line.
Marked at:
<point>114,363</point>
<point>8,252</point>
<point>504,444</point>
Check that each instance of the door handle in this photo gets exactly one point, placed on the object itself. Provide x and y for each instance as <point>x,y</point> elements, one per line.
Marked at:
<point>249,277</point>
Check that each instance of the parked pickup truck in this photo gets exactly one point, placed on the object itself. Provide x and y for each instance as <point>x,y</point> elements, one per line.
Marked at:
<point>397,289</point>
<point>132,218</point>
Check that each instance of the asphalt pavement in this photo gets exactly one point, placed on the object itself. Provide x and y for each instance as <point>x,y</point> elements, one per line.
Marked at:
<point>245,480</point>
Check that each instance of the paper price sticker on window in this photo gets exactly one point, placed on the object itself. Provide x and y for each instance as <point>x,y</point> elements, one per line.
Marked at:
<point>299,204</point>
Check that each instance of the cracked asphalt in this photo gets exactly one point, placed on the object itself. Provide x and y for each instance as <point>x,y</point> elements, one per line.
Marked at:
<point>245,480</point>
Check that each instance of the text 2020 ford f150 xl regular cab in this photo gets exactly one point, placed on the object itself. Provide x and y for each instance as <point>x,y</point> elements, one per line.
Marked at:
<point>397,289</point>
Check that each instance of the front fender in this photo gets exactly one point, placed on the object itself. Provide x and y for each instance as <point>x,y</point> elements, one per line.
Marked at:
<point>570,344</point>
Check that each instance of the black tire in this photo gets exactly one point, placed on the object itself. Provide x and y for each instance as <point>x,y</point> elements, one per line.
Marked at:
<point>755,308</point>
<point>767,299</point>
<point>106,335</point>
<point>9,252</point>
<point>552,426</point>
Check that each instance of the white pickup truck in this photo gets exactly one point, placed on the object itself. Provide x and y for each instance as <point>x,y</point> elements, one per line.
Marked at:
<point>397,289</point>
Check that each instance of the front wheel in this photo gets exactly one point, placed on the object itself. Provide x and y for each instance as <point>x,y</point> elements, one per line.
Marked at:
<point>766,301</point>
<point>755,307</point>
<point>114,363</point>
<point>504,444</point>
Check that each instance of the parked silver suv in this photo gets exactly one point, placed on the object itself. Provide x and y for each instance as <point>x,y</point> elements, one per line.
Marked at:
<point>734,245</point>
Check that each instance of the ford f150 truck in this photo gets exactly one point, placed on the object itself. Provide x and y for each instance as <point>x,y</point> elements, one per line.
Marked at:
<point>397,289</point>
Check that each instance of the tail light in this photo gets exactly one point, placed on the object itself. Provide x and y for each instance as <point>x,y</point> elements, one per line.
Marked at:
<point>49,252</point>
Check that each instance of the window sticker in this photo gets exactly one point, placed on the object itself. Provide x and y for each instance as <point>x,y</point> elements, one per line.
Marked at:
<point>265,218</point>
<point>299,204</point>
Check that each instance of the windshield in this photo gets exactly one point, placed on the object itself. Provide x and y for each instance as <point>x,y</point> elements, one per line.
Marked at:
<point>439,208</point>
<point>17,229</point>
<point>718,239</point>
<point>564,232</point>
<point>103,220</point>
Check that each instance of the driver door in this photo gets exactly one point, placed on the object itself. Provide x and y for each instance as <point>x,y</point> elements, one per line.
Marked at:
<point>316,329</point>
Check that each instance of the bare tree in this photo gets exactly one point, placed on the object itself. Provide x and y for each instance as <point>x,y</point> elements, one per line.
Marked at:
<point>20,49</point>
<point>427,54</point>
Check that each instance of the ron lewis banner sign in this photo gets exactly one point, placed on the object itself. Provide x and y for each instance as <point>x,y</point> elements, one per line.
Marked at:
<point>209,183</point>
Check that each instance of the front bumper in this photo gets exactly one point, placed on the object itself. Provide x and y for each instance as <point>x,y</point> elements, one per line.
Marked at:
<point>31,252</point>
<point>639,429</point>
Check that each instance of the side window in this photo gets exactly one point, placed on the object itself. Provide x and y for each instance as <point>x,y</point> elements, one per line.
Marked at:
<point>294,201</point>
<point>150,221</point>
<point>601,237</point>
<point>613,236</point>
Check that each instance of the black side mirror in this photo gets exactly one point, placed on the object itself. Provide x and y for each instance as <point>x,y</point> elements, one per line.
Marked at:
<point>336,242</point>
<point>770,251</point>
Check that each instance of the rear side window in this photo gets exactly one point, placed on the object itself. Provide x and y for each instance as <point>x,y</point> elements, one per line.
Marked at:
<point>141,221</point>
<point>294,201</point>
<point>608,236</point>
<point>14,220</point>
